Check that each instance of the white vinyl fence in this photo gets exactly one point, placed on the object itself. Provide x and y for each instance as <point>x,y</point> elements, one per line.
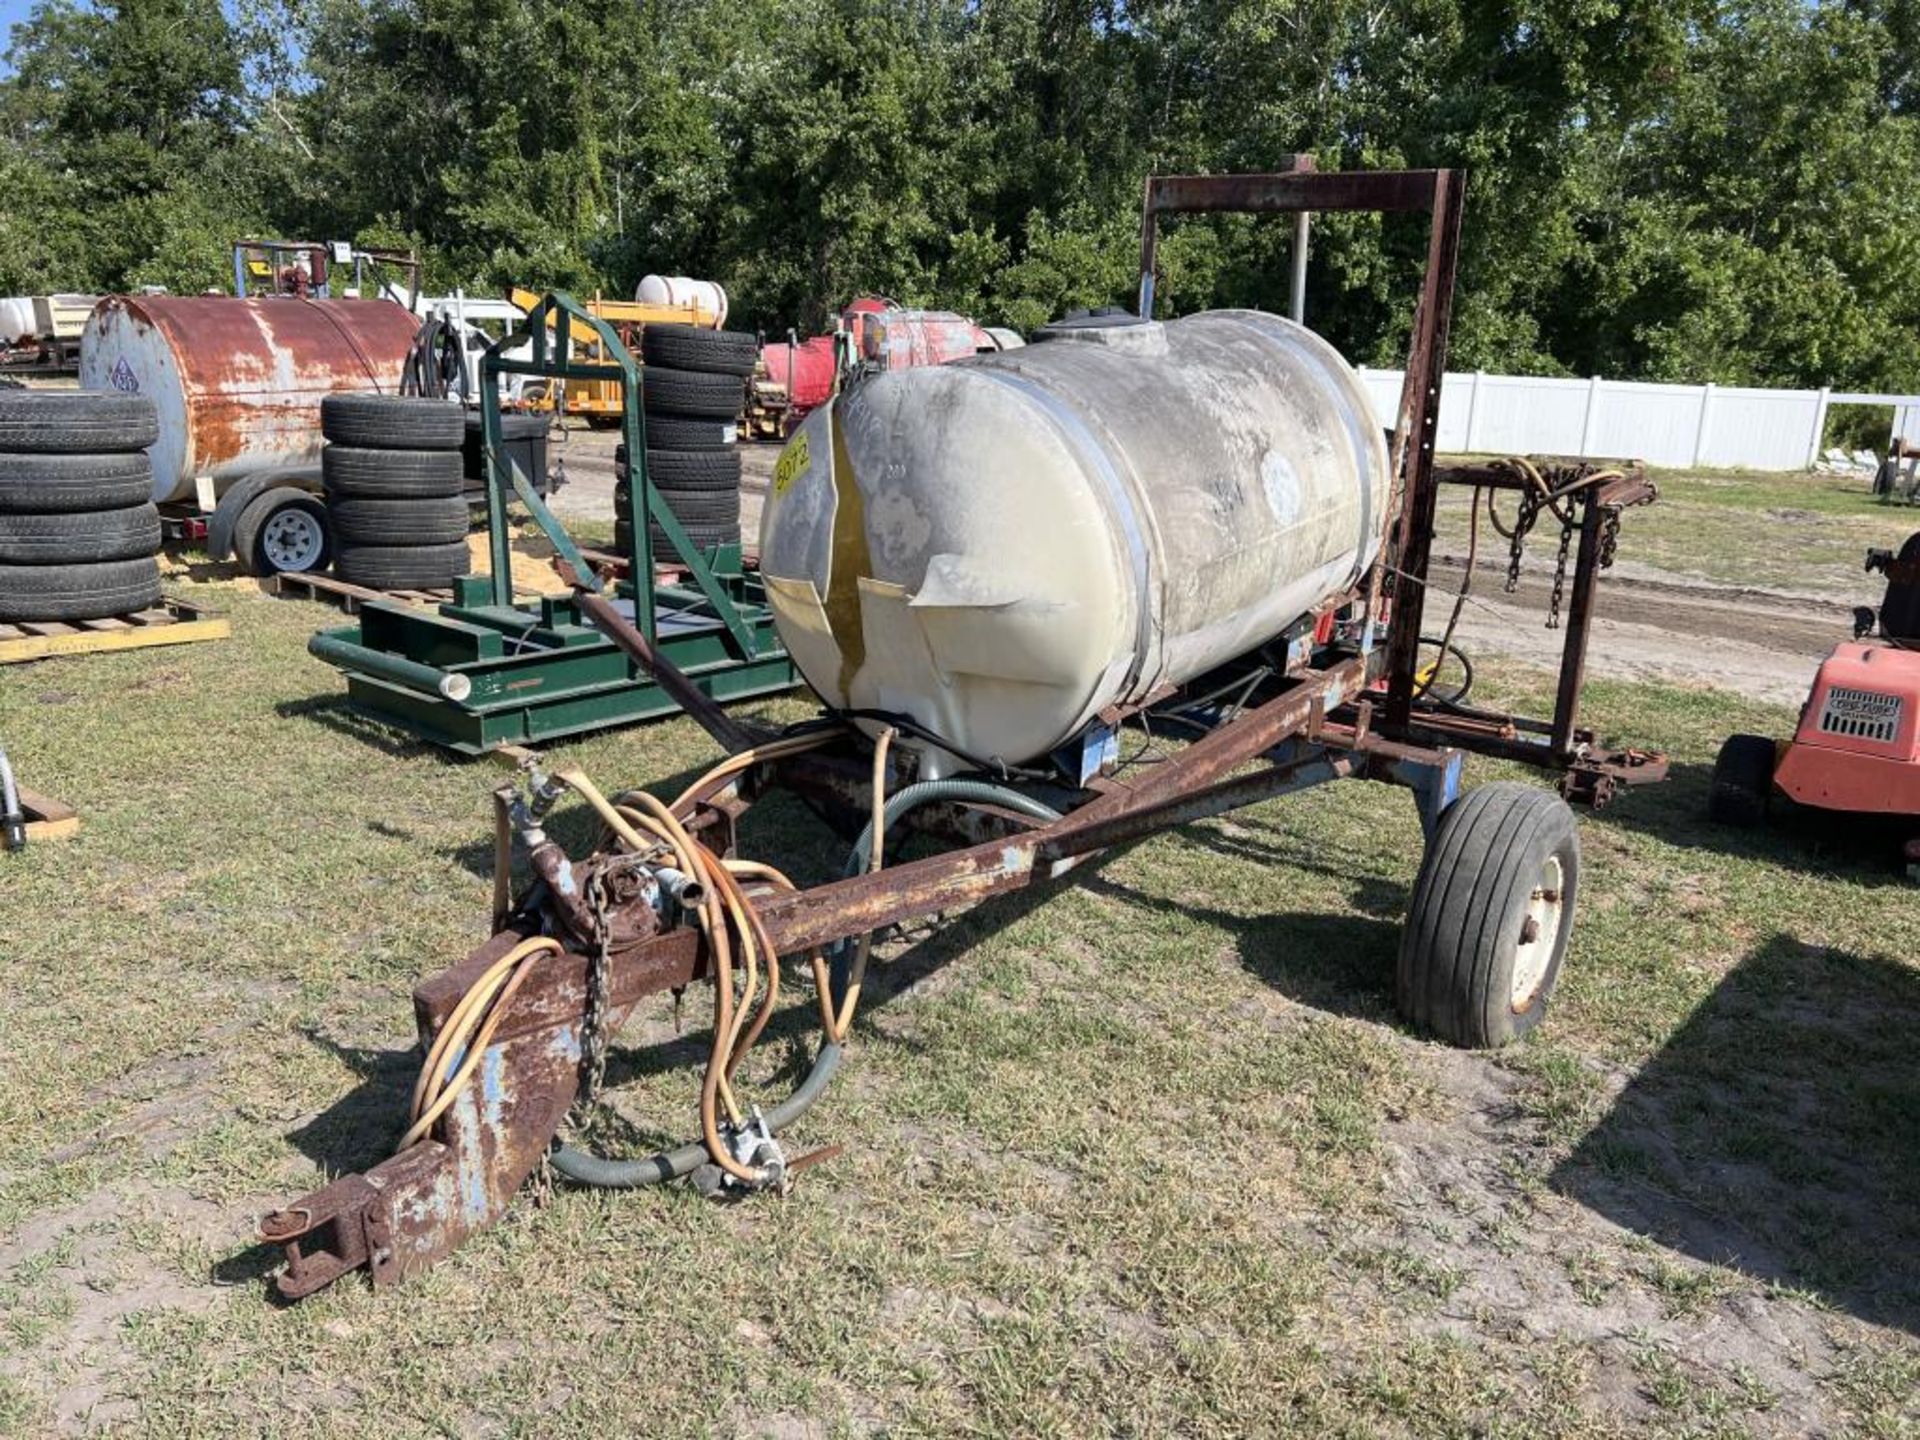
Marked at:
<point>1677,425</point>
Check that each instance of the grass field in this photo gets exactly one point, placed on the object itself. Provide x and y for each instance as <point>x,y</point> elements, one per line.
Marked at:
<point>1143,1155</point>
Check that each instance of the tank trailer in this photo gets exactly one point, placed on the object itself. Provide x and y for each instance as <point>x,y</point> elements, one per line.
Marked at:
<point>988,571</point>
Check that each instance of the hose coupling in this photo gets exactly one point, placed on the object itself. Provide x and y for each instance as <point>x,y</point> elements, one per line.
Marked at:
<point>754,1146</point>
<point>679,892</point>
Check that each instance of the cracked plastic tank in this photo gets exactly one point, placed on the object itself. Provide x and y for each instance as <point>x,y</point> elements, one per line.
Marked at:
<point>1003,547</point>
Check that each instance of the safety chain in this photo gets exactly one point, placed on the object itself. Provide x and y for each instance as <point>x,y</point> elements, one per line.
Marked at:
<point>1609,538</point>
<point>1559,576</point>
<point>1522,523</point>
<point>594,1024</point>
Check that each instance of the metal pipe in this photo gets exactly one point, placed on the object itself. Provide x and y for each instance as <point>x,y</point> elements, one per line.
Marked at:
<point>1302,228</point>
<point>13,821</point>
<point>412,674</point>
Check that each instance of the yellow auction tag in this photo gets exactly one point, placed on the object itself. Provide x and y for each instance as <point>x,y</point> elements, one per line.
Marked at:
<point>792,464</point>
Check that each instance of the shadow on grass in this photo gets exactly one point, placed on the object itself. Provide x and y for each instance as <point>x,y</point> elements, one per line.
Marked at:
<point>1795,837</point>
<point>1778,1132</point>
<point>1342,964</point>
<point>339,714</point>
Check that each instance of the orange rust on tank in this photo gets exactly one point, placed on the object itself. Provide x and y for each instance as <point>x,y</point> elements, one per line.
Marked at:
<point>253,371</point>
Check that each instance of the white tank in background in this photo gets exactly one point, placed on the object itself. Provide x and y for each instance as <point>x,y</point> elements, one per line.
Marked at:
<point>707,297</point>
<point>1004,546</point>
<point>16,319</point>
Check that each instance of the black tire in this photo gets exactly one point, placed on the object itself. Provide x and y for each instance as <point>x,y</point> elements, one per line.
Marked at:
<point>704,537</point>
<point>1742,781</point>
<point>690,507</point>
<point>76,422</point>
<point>688,347</point>
<point>392,422</point>
<point>78,592</point>
<point>403,567</point>
<point>1900,608</point>
<point>685,470</point>
<point>283,532</point>
<point>399,522</point>
<point>83,537</point>
<point>61,484</point>
<point>351,472</point>
<point>1499,852</point>
<point>677,432</point>
<point>690,393</point>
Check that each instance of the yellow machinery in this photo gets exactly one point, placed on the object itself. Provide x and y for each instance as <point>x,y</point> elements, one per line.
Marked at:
<point>600,401</point>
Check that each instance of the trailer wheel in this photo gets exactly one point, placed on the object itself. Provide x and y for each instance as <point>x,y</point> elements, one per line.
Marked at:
<point>688,347</point>
<point>1742,781</point>
<point>1491,917</point>
<point>78,592</point>
<point>76,422</point>
<point>284,532</point>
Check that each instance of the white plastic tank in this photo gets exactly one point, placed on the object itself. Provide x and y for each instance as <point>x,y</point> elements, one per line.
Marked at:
<point>1004,546</point>
<point>16,319</point>
<point>707,297</point>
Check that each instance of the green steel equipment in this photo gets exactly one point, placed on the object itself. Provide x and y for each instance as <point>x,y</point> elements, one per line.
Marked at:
<point>482,671</point>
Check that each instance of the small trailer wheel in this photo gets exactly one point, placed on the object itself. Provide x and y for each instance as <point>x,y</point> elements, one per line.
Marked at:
<point>1491,917</point>
<point>283,532</point>
<point>1742,781</point>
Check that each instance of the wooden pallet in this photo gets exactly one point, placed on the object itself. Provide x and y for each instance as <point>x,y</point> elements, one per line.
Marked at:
<point>350,597</point>
<point>171,622</point>
<point>665,572</point>
<point>48,818</point>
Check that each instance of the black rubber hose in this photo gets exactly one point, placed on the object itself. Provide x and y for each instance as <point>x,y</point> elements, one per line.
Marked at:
<point>589,1169</point>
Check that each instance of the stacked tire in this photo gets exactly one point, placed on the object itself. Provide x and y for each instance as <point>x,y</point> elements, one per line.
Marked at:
<point>394,479</point>
<point>694,384</point>
<point>79,534</point>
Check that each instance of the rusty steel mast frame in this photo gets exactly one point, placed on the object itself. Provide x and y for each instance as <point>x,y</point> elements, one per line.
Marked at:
<point>1315,722</point>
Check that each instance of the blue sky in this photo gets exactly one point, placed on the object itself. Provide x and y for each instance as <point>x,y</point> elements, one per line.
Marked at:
<point>12,12</point>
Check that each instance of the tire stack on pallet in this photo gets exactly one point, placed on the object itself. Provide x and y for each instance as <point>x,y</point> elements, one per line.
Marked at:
<point>694,384</point>
<point>79,535</point>
<point>394,479</point>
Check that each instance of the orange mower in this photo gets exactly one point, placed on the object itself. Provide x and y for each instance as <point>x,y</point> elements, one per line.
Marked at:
<point>1857,748</point>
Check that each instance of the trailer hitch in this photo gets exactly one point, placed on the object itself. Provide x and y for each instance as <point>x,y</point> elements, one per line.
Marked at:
<point>419,1205</point>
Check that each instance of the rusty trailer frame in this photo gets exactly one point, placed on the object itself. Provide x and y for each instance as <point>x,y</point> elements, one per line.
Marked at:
<point>1341,707</point>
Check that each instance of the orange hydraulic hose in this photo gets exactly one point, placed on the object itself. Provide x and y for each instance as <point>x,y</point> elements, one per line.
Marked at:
<point>432,1097</point>
<point>864,946</point>
<point>755,870</point>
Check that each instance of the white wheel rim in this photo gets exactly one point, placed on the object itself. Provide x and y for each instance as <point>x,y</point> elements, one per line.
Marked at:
<point>292,539</point>
<point>1539,935</point>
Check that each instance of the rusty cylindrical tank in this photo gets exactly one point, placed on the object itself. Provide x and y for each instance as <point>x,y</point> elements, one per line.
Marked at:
<point>238,383</point>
